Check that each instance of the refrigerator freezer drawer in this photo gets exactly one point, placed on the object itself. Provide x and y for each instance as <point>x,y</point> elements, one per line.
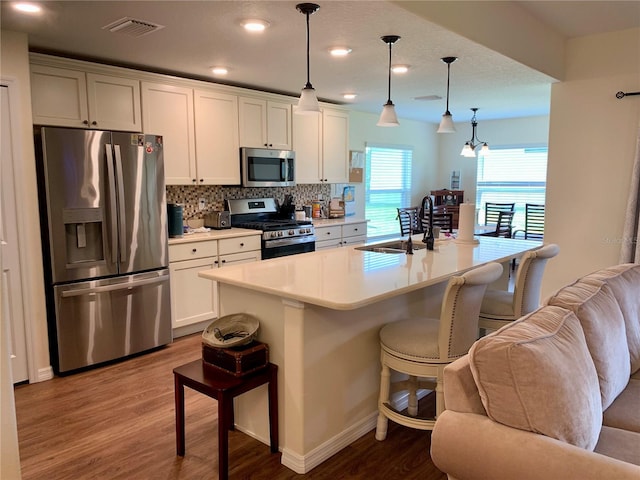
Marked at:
<point>102,320</point>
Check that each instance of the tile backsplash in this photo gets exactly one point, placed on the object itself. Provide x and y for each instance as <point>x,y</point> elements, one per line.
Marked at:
<point>214,196</point>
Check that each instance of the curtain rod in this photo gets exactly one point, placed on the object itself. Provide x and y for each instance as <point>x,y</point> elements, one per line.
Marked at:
<point>628,94</point>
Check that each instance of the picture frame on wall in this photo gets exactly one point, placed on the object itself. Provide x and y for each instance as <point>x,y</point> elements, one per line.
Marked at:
<point>356,166</point>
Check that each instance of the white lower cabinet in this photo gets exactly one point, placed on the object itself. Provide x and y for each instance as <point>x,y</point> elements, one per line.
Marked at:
<point>354,233</point>
<point>332,236</point>
<point>195,299</point>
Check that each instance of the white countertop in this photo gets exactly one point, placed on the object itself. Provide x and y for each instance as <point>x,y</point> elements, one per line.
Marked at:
<point>346,278</point>
<point>214,235</point>
<point>326,222</point>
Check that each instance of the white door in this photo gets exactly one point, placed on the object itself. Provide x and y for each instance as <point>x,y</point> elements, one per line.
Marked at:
<point>12,308</point>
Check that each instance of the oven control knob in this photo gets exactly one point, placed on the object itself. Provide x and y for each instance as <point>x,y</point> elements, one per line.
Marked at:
<point>274,234</point>
<point>292,232</point>
<point>280,233</point>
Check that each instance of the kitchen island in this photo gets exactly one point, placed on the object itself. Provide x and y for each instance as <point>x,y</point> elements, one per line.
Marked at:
<point>320,314</point>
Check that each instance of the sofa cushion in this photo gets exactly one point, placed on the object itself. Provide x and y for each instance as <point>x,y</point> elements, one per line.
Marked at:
<point>604,329</point>
<point>537,375</point>
<point>624,412</point>
<point>619,444</point>
<point>624,281</point>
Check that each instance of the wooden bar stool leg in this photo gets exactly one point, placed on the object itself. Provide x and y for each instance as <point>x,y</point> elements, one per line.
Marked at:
<point>179,406</point>
<point>223,436</point>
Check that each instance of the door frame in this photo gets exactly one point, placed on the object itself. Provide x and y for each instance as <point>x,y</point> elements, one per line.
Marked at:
<point>14,94</point>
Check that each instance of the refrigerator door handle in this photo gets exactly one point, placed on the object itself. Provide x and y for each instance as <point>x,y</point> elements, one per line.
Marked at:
<point>121,206</point>
<point>112,201</point>
<point>116,286</point>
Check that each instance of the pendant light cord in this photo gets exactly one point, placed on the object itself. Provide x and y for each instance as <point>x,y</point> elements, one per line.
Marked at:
<point>308,85</point>
<point>448,72</point>
<point>389,89</point>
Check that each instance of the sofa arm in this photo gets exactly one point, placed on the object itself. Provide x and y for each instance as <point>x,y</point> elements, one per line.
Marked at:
<point>468,446</point>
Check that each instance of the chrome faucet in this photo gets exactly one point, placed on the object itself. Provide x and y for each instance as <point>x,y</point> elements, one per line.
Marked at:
<point>428,234</point>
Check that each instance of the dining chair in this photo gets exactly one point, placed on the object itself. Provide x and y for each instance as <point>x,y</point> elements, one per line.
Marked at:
<point>503,225</point>
<point>533,222</point>
<point>442,220</point>
<point>409,220</point>
<point>492,211</point>
<point>501,307</point>
<point>421,347</point>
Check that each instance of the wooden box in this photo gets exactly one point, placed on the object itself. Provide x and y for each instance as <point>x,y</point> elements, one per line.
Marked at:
<point>237,361</point>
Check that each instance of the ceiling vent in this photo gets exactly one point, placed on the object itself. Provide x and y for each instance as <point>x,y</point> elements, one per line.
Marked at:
<point>132,27</point>
<point>429,98</point>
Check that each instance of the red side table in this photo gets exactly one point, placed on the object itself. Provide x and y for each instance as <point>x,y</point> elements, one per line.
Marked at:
<point>223,386</point>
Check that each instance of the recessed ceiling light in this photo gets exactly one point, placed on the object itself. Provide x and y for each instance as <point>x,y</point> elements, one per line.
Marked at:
<point>220,70</point>
<point>27,7</point>
<point>400,68</point>
<point>340,51</point>
<point>254,25</point>
<point>349,96</point>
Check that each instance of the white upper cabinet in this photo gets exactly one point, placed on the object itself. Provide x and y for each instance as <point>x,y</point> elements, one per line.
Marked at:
<point>217,144</point>
<point>335,146</point>
<point>321,143</point>
<point>307,143</point>
<point>265,123</point>
<point>168,111</point>
<point>72,98</point>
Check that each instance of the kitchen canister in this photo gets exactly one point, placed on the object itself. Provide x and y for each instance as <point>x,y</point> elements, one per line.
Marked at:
<point>174,220</point>
<point>316,212</point>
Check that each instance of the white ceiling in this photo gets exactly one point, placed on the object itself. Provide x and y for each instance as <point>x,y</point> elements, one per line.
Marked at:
<point>200,34</point>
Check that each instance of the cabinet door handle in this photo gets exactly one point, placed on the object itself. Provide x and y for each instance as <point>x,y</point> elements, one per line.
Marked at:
<point>194,250</point>
<point>85,122</point>
<point>224,261</point>
<point>355,229</point>
<point>193,180</point>
<point>94,123</point>
<point>201,180</point>
<point>242,244</point>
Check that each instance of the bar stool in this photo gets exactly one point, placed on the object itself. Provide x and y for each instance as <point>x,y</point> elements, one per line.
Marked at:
<point>501,307</point>
<point>422,347</point>
<point>223,387</point>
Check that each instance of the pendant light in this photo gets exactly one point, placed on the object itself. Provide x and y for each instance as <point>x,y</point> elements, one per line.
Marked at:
<point>469,149</point>
<point>446,124</point>
<point>388,117</point>
<point>308,103</point>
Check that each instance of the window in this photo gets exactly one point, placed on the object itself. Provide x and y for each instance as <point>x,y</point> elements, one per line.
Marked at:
<point>512,174</point>
<point>387,187</point>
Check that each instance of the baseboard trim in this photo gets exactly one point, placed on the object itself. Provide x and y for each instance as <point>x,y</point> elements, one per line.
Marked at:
<point>45,374</point>
<point>305,463</point>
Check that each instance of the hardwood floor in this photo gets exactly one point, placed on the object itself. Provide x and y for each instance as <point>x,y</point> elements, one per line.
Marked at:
<point>117,422</point>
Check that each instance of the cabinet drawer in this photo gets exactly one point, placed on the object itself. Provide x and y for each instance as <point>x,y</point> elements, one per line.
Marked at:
<point>328,233</point>
<point>189,251</point>
<point>237,258</point>
<point>355,240</point>
<point>332,243</point>
<point>239,244</point>
<point>354,230</point>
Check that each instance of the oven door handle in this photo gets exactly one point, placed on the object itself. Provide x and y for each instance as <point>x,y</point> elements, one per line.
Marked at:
<point>283,242</point>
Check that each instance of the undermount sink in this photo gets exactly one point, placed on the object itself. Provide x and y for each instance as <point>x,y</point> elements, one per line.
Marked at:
<point>396,246</point>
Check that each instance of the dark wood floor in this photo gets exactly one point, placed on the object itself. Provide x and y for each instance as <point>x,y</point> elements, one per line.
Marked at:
<point>117,422</point>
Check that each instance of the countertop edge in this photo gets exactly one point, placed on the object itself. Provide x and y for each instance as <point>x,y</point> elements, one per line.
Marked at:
<point>214,235</point>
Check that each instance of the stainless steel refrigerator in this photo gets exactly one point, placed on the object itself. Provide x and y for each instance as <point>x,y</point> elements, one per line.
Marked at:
<point>104,226</point>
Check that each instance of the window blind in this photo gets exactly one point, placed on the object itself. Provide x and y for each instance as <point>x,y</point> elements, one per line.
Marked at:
<point>387,187</point>
<point>512,174</point>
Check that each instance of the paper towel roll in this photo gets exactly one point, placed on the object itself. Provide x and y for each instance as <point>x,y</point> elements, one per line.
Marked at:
<point>466,223</point>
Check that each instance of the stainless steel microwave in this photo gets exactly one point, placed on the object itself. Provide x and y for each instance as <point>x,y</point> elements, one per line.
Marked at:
<point>263,167</point>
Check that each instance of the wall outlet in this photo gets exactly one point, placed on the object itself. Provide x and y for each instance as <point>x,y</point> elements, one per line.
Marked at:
<point>202,203</point>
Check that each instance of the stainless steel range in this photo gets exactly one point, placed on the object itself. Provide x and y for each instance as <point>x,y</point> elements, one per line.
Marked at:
<point>280,234</point>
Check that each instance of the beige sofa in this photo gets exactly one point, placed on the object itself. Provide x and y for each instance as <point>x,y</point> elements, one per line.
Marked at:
<point>555,395</point>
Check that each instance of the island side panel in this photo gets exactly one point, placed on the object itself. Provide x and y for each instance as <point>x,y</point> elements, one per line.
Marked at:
<point>329,367</point>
